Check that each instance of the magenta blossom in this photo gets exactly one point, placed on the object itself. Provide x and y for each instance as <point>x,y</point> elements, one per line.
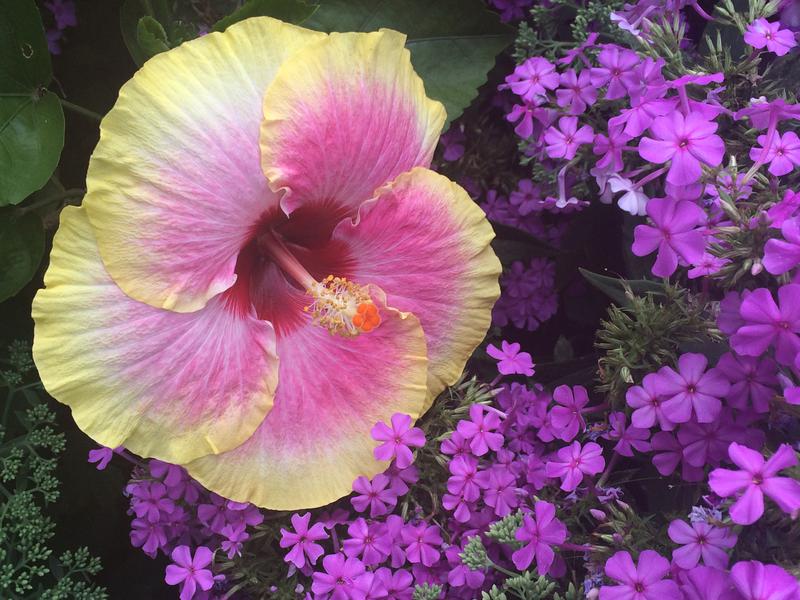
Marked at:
<point>700,540</point>
<point>375,494</point>
<point>646,401</point>
<point>573,462</point>
<point>628,438</point>
<point>481,430</point>
<point>511,360</point>
<point>756,581</point>
<point>576,91</point>
<point>781,256</point>
<point>783,153</point>
<point>754,479</point>
<point>687,141</point>
<point>692,389</point>
<point>707,583</point>
<point>761,33</point>
<point>397,439</point>
<point>767,323</point>
<point>190,571</point>
<point>611,148</point>
<point>533,78</point>
<point>618,70</point>
<point>563,142</point>
<point>644,581</point>
<point>343,578</point>
<point>540,531</point>
<point>302,541</point>
<point>674,234</point>
<point>753,381</point>
<point>565,419</point>
<point>421,543</point>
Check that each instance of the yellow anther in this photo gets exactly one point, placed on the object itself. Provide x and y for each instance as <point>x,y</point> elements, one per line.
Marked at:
<point>342,307</point>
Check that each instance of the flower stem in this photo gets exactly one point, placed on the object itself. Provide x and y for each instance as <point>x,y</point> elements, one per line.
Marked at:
<point>607,473</point>
<point>81,111</point>
<point>503,570</point>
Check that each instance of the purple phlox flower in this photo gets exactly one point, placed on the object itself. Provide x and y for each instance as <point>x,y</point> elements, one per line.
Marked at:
<point>522,115</point>
<point>150,500</point>
<point>618,70</point>
<point>535,472</point>
<point>761,33</point>
<point>397,439</point>
<point>687,142</point>
<point>179,485</point>
<point>769,324</point>
<point>421,542</point>
<point>213,515</point>
<point>496,207</point>
<point>675,234</point>
<point>566,419</point>
<point>651,83</point>
<point>781,256</point>
<point>783,154</point>
<point>511,360</point>
<point>729,320</point>
<point>341,578</point>
<point>394,525</point>
<point>499,485</point>
<point>628,438</point>
<point>235,536</point>
<point>190,571</point>
<point>481,430</point>
<point>643,111</point>
<point>700,540</point>
<point>302,541</point>
<point>148,536</point>
<point>533,78</point>
<point>576,91</point>
<point>696,79</point>
<point>578,51</point>
<point>375,494</point>
<point>102,456</point>
<point>368,542</point>
<point>462,481</point>
<point>692,388</point>
<point>400,479</point>
<point>634,200</point>
<point>785,209</point>
<point>757,581</point>
<point>459,506</point>
<point>527,197</point>
<point>563,142</point>
<point>692,192</point>
<point>642,581</point>
<point>646,402</point>
<point>707,583</point>
<point>754,479</point>
<point>611,148</point>
<point>511,10</point>
<point>668,454</point>
<point>243,512</point>
<point>707,265</point>
<point>540,531</point>
<point>459,575</point>
<point>64,13</point>
<point>398,584</point>
<point>633,16</point>
<point>753,381</point>
<point>453,143</point>
<point>707,443</point>
<point>573,462</point>
<point>456,445</point>
<point>763,113</point>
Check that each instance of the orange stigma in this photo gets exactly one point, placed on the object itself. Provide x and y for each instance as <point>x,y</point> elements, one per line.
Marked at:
<point>343,307</point>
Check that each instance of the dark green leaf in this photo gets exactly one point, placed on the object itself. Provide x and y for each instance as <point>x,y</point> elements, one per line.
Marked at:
<point>291,11</point>
<point>129,17</point>
<point>22,247</point>
<point>453,43</point>
<point>151,37</point>
<point>531,246</point>
<point>31,119</point>
<point>616,288</point>
<point>31,139</point>
<point>24,59</point>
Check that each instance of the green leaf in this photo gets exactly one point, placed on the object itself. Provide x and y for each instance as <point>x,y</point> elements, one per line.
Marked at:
<point>453,43</point>
<point>130,16</point>
<point>616,288</point>
<point>22,247</point>
<point>31,139</point>
<point>31,118</point>
<point>291,11</point>
<point>151,37</point>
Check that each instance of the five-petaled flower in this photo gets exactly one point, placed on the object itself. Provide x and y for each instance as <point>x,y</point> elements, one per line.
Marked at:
<point>573,462</point>
<point>302,541</point>
<point>263,266</point>
<point>642,581</point>
<point>761,33</point>
<point>397,439</point>
<point>190,572</point>
<point>563,141</point>
<point>510,360</point>
<point>700,540</point>
<point>540,531</point>
<point>756,478</point>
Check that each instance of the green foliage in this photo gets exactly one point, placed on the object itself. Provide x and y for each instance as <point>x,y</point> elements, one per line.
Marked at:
<point>452,55</point>
<point>474,555</point>
<point>504,530</point>
<point>21,249</point>
<point>31,118</point>
<point>291,11</point>
<point>647,333</point>
<point>29,448</point>
<point>618,289</point>
<point>426,592</point>
<point>151,26</point>
<point>529,586</point>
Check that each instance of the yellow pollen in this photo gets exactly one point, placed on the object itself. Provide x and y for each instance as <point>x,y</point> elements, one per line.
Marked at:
<point>342,307</point>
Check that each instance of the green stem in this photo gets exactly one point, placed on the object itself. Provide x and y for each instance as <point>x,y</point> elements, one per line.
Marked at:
<point>503,570</point>
<point>81,111</point>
